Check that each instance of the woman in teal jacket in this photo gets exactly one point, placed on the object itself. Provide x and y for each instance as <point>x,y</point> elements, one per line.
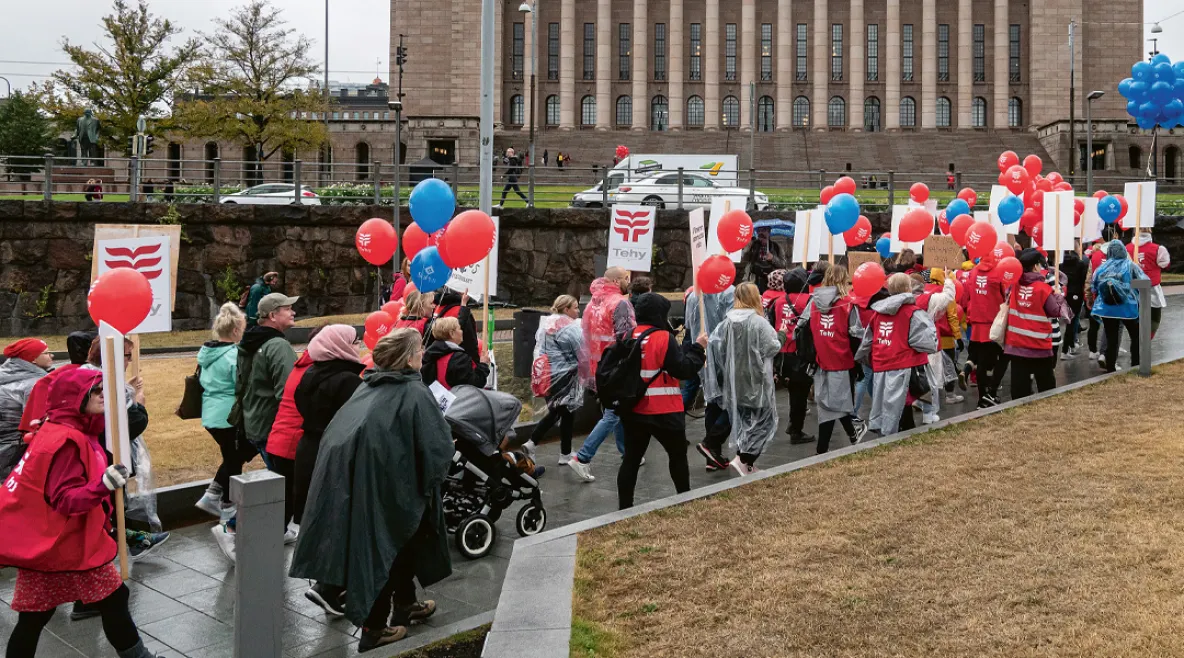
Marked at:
<point>218,360</point>
<point>1115,301</point>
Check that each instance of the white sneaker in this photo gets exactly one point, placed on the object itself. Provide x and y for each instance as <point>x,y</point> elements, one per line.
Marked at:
<point>210,503</point>
<point>738,466</point>
<point>1093,356</point>
<point>227,513</point>
<point>642,461</point>
<point>954,398</point>
<point>291,533</point>
<point>225,540</point>
<point>1123,350</point>
<point>929,419</point>
<point>530,449</point>
<point>584,471</point>
<point>566,460</point>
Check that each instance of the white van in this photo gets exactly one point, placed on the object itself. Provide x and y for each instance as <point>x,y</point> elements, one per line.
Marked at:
<point>723,170</point>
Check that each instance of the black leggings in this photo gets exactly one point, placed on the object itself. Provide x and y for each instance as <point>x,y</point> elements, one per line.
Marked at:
<point>566,420</point>
<point>990,364</point>
<point>287,468</point>
<point>825,430</point>
<point>1025,369</point>
<point>306,461</point>
<point>235,453</point>
<point>117,626</point>
<point>672,436</point>
<point>1113,338</point>
<point>399,590</point>
<point>1092,335</point>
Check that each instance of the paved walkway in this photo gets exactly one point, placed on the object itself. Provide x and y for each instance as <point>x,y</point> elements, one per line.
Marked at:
<point>182,595</point>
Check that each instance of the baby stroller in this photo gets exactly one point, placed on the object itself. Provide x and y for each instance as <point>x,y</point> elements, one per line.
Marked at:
<point>484,480</point>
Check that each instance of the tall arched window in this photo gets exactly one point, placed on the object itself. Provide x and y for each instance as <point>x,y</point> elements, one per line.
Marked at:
<point>978,112</point>
<point>943,112</point>
<point>252,169</point>
<point>801,112</point>
<point>624,111</point>
<point>362,160</point>
<point>211,154</point>
<point>588,111</point>
<point>731,112</point>
<point>836,112</point>
<point>659,113</point>
<point>872,121</point>
<point>1015,113</point>
<point>908,112</point>
<point>517,109</point>
<point>1136,157</point>
<point>552,110</point>
<point>695,112</point>
<point>764,114</point>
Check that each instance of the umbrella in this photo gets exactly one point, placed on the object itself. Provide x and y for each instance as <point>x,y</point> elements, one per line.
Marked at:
<point>779,227</point>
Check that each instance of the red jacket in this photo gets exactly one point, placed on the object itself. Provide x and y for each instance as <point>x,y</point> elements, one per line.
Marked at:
<point>35,406</point>
<point>986,295</point>
<point>1148,260</point>
<point>890,341</point>
<point>289,424</point>
<point>786,311</point>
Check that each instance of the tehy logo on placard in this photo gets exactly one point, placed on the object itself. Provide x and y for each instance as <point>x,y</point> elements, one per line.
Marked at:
<point>145,260</point>
<point>632,225</point>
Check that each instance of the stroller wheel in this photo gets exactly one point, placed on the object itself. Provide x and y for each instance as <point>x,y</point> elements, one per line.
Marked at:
<point>532,519</point>
<point>475,536</point>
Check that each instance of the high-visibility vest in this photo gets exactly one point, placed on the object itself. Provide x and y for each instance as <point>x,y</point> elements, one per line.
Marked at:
<point>832,341</point>
<point>1149,261</point>
<point>1027,324</point>
<point>663,396</point>
<point>890,341</point>
<point>786,312</point>
<point>986,295</point>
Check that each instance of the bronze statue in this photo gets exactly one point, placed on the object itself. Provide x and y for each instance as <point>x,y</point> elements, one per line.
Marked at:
<point>87,134</point>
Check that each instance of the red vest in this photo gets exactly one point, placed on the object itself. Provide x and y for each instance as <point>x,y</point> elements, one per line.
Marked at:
<point>890,341</point>
<point>1027,325</point>
<point>442,370</point>
<point>986,295</point>
<point>1149,261</point>
<point>663,396</point>
<point>770,296</point>
<point>50,541</point>
<point>943,319</point>
<point>831,338</point>
<point>417,324</point>
<point>785,319</point>
<point>448,311</point>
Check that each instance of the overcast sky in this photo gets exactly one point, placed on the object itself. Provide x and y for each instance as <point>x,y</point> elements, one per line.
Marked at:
<point>358,33</point>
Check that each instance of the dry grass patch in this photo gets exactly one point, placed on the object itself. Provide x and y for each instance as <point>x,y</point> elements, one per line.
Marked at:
<point>1048,530</point>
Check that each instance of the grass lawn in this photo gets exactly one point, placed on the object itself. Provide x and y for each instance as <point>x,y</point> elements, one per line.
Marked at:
<point>1048,530</point>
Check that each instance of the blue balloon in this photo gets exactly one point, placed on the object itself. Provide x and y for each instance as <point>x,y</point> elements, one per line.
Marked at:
<point>1147,110</point>
<point>1010,209</point>
<point>1173,109</point>
<point>1141,71</point>
<point>1139,90</point>
<point>1145,123</point>
<point>1132,108</point>
<point>1178,86</point>
<point>1168,124</point>
<point>1178,69</point>
<point>1124,87</point>
<point>1162,92</point>
<point>1163,72</point>
<point>432,204</point>
<point>841,213</point>
<point>957,207</point>
<point>1161,58</point>
<point>428,271</point>
<point>1109,208</point>
<point>884,246</point>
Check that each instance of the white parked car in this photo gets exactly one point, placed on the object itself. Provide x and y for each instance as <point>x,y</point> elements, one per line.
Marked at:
<point>662,191</point>
<point>277,194</point>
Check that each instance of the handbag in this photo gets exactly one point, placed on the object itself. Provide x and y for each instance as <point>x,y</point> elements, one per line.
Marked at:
<point>999,324</point>
<point>190,406</point>
<point>919,383</point>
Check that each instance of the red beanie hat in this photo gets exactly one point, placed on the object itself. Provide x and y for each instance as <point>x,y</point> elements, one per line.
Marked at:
<point>26,348</point>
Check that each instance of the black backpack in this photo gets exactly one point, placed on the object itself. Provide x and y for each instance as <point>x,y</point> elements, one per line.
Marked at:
<point>619,385</point>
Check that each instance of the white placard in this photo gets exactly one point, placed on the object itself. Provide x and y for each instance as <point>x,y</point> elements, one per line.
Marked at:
<point>805,237</point>
<point>998,194</point>
<point>151,257</point>
<point>717,211</point>
<point>115,391</point>
<point>1145,205</point>
<point>698,239</point>
<point>931,206</point>
<point>898,213</point>
<point>471,279</point>
<point>1058,222</point>
<point>986,217</point>
<point>826,238</point>
<point>444,397</point>
<point>631,237</point>
<point>1090,228</point>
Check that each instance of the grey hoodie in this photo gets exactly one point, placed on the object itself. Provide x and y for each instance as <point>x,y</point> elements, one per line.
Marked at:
<point>17,378</point>
<point>922,331</point>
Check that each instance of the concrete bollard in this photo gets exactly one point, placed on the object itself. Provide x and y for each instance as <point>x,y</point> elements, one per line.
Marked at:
<point>1143,286</point>
<point>259,565</point>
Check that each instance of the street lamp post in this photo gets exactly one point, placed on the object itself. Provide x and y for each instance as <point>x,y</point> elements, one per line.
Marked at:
<point>534,49</point>
<point>1089,140</point>
<point>9,85</point>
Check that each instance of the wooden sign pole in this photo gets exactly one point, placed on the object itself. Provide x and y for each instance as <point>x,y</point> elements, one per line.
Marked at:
<point>831,243</point>
<point>806,246</point>
<point>1056,236</point>
<point>116,416</point>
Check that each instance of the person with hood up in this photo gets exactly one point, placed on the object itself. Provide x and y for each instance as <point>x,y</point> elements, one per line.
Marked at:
<point>741,367</point>
<point>264,360</point>
<point>985,295</point>
<point>28,361</point>
<point>560,369</point>
<point>1115,302</point>
<point>1033,308</point>
<point>833,321</point>
<point>452,304</point>
<point>1076,272</point>
<point>417,311</point>
<point>374,521</point>
<point>59,503</point>
<point>659,414</point>
<point>898,339</point>
<point>1153,259</point>
<point>716,423</point>
<point>445,361</point>
<point>792,371</point>
<point>78,347</point>
<point>936,300</point>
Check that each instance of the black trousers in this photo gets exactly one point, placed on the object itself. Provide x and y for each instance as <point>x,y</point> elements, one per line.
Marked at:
<point>1156,316</point>
<point>287,468</point>
<point>306,461</point>
<point>1025,369</point>
<point>512,186</point>
<point>671,432</point>
<point>799,391</point>
<point>399,590</point>
<point>1113,327</point>
<point>235,453</point>
<point>987,357</point>
<point>827,428</point>
<point>566,420</point>
<point>907,422</point>
<point>117,626</point>
<point>718,426</point>
<point>1092,335</point>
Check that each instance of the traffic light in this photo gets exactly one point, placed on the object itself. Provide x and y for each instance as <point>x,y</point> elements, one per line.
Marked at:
<point>148,144</point>
<point>400,55</point>
<point>131,144</point>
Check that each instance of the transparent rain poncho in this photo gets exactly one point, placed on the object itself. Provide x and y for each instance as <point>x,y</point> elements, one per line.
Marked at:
<point>741,352</point>
<point>562,339</point>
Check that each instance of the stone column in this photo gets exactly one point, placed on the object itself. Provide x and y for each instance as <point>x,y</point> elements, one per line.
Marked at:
<point>605,106</point>
<point>821,77</point>
<point>856,35</point>
<point>890,64</point>
<point>748,45</point>
<point>567,65</point>
<point>965,59</point>
<point>674,55</point>
<point>641,72</point>
<point>527,67</point>
<point>784,62</point>
<point>498,79</point>
<point>1001,73</point>
<point>928,64</point>
<point>711,99</point>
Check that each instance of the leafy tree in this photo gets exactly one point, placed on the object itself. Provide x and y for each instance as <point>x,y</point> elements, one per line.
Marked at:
<point>134,73</point>
<point>24,131</point>
<point>249,80</point>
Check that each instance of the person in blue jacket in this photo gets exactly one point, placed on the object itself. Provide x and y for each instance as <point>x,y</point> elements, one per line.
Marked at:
<point>1115,301</point>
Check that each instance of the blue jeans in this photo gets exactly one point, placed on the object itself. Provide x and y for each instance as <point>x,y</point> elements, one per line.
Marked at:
<point>863,388</point>
<point>690,387</point>
<point>608,423</point>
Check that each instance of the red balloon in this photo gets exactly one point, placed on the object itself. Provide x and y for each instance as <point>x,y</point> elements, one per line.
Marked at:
<point>919,192</point>
<point>376,241</point>
<point>969,196</point>
<point>409,289</point>
<point>1002,250</point>
<point>981,239</point>
<point>1033,164</point>
<point>1017,179</point>
<point>1036,201</point>
<point>1078,206</point>
<point>734,230</point>
<point>868,279</point>
<point>845,185</point>
<point>1063,186</point>
<point>369,339</point>
<point>379,323</point>
<point>1125,207</point>
<point>393,309</point>
<point>121,297</point>
<point>1029,219</point>
<point>1037,232</point>
<point>467,239</point>
<point>915,226</point>
<point>1043,185</point>
<point>1055,177</point>
<point>959,227</point>
<point>716,274</point>
<point>1008,270</point>
<point>414,239</point>
<point>943,224</point>
<point>827,194</point>
<point>1076,218</point>
<point>1003,178</point>
<point>368,362</point>
<point>1101,194</point>
<point>1007,160</point>
<point>858,233</point>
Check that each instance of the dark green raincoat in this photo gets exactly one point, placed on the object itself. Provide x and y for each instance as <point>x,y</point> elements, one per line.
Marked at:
<point>379,472</point>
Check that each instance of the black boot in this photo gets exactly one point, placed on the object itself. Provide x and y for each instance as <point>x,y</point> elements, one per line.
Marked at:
<point>82,611</point>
